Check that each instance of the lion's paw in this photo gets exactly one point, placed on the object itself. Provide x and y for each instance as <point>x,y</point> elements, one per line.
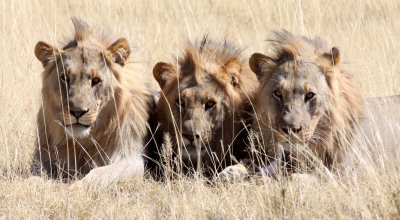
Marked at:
<point>96,179</point>
<point>234,172</point>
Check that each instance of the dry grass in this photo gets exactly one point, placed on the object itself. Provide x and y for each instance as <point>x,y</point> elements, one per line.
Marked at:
<point>367,31</point>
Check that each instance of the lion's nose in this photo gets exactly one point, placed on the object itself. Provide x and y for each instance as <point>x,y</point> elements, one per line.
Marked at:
<point>192,137</point>
<point>78,114</point>
<point>197,135</point>
<point>286,130</point>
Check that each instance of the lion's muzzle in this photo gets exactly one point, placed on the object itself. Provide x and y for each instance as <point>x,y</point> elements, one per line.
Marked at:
<point>78,114</point>
<point>291,120</point>
<point>78,121</point>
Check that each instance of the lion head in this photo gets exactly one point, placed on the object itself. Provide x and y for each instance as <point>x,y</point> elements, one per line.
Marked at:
<point>306,98</point>
<point>204,100</point>
<point>80,83</point>
<point>95,102</point>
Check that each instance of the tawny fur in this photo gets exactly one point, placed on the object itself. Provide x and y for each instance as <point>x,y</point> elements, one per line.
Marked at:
<point>120,126</point>
<point>333,132</point>
<point>216,69</point>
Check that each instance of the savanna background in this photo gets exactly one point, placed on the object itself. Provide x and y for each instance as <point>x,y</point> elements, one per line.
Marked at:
<point>367,32</point>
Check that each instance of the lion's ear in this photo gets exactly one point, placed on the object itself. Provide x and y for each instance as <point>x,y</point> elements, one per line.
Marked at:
<point>259,64</point>
<point>233,68</point>
<point>163,72</point>
<point>120,51</point>
<point>333,56</point>
<point>45,52</point>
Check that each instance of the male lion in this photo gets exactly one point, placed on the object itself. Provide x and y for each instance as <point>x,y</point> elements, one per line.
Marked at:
<point>205,103</point>
<point>95,101</point>
<point>307,101</point>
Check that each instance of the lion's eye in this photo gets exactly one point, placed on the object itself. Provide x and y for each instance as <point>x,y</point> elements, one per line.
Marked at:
<point>64,78</point>
<point>309,96</point>
<point>180,103</point>
<point>278,94</point>
<point>210,104</point>
<point>96,81</point>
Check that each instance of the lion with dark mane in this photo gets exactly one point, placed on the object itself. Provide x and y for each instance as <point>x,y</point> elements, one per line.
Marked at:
<point>205,103</point>
<point>95,101</point>
<point>307,101</point>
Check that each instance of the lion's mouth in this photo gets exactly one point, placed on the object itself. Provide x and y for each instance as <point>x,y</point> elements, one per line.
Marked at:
<point>83,125</point>
<point>192,157</point>
<point>78,130</point>
<point>293,135</point>
<point>79,125</point>
<point>191,147</point>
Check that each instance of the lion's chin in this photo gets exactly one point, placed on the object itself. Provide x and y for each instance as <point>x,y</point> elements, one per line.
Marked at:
<point>77,131</point>
<point>190,153</point>
<point>190,157</point>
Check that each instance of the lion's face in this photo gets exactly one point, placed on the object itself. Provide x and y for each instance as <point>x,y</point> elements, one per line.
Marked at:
<point>297,99</point>
<point>198,103</point>
<point>307,101</point>
<point>294,96</point>
<point>200,111</point>
<point>82,85</point>
<point>79,83</point>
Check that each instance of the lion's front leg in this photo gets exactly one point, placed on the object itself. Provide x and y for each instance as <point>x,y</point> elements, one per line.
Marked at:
<point>122,170</point>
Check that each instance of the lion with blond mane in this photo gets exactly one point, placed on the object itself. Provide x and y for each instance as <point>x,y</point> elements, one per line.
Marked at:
<point>205,104</point>
<point>307,101</point>
<point>95,101</point>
